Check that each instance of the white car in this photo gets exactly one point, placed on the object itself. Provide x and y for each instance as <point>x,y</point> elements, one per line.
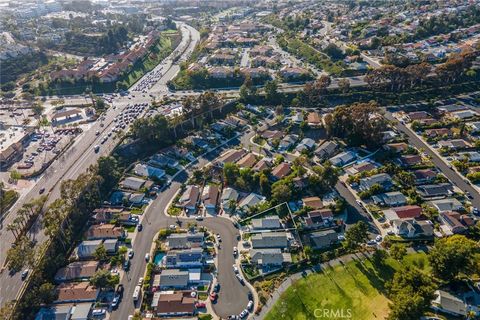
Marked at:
<point>98,312</point>
<point>140,281</point>
<point>378,238</point>
<point>235,251</point>
<point>147,257</point>
<point>235,268</point>
<point>250,305</point>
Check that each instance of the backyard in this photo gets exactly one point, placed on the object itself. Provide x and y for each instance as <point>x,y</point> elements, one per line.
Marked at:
<point>356,289</point>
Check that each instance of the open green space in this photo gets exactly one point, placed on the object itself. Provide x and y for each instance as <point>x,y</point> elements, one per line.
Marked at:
<point>359,286</point>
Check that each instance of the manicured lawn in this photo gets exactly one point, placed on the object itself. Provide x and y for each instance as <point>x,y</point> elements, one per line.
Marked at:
<point>358,287</point>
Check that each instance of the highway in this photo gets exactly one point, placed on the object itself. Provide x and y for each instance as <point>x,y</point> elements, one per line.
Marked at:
<point>74,162</point>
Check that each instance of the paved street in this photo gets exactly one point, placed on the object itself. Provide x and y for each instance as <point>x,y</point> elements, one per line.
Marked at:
<point>232,296</point>
<point>452,175</point>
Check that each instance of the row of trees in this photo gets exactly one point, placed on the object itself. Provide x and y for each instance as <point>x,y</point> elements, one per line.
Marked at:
<point>358,124</point>
<point>63,222</point>
<point>396,78</point>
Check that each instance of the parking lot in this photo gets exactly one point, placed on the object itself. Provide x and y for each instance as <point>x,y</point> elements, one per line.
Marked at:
<point>43,147</point>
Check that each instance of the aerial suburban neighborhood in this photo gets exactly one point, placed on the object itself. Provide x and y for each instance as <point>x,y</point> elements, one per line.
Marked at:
<point>272,159</point>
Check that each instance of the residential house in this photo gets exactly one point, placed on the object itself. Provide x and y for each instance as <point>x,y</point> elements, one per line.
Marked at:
<point>261,165</point>
<point>314,120</point>
<point>313,202</point>
<point>305,144</point>
<point>273,257</point>
<point>162,160</point>
<point>382,179</point>
<point>210,198</point>
<point>326,149</point>
<point>189,199</point>
<point>293,73</point>
<point>76,292</point>
<point>250,201</point>
<point>423,176</point>
<point>271,135</point>
<point>86,249</point>
<point>144,170</point>
<point>343,158</point>
<point>438,132</point>
<point>232,155</point>
<point>270,240</point>
<point>247,161</point>
<point>410,160</point>
<point>173,304</point>
<point>410,228</point>
<point>361,167</point>
<point>267,223</point>
<point>105,231</point>
<point>455,144</point>
<point>452,221</point>
<point>464,114</point>
<point>474,126</point>
<point>287,142</point>
<point>66,311</point>
<point>111,245</point>
<point>185,240</point>
<point>318,219</point>
<point>390,199</point>
<point>132,183</point>
<point>229,196</point>
<point>188,258</point>
<point>398,147</point>
<point>435,190</point>
<point>402,213</point>
<point>448,303</point>
<point>281,171</point>
<point>173,279</point>
<point>471,156</point>
<point>418,116</point>
<point>78,270</point>
<point>323,239</point>
<point>449,204</point>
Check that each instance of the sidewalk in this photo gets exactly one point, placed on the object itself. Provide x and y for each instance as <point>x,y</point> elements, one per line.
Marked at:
<point>290,280</point>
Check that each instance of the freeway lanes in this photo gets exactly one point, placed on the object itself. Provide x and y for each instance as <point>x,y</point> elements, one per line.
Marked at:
<point>77,159</point>
<point>452,175</point>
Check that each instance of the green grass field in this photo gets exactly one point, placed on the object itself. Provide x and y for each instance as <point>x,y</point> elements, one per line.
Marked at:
<point>358,287</point>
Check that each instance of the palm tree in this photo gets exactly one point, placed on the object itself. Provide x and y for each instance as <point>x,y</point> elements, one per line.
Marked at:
<point>13,228</point>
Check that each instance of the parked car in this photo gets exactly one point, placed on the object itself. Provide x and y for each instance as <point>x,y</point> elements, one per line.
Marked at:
<point>98,312</point>
<point>213,296</point>
<point>239,277</point>
<point>250,305</point>
<point>200,305</point>
<point>126,265</point>
<point>140,227</point>
<point>130,254</point>
<point>235,268</point>
<point>147,257</point>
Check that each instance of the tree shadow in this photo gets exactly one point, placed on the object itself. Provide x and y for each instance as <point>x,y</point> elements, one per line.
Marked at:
<point>377,276</point>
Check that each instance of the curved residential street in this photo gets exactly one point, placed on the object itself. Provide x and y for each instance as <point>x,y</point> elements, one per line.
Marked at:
<point>232,295</point>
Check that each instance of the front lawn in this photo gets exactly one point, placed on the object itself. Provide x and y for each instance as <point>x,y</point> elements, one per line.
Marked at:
<point>358,287</point>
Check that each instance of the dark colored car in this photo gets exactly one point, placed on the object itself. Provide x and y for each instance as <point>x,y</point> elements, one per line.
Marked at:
<point>126,265</point>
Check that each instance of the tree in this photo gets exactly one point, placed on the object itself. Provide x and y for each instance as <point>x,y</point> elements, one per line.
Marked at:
<point>281,192</point>
<point>344,85</point>
<point>21,255</point>
<point>248,92</point>
<point>15,176</point>
<point>231,173</point>
<point>334,51</point>
<point>451,256</point>
<point>103,279</point>
<point>378,257</point>
<point>110,172</point>
<point>411,285</point>
<point>398,251</point>
<point>37,109</point>
<point>153,131</point>
<point>356,235</point>
<point>101,253</point>
<point>46,293</point>
<point>359,124</point>
<point>271,92</point>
